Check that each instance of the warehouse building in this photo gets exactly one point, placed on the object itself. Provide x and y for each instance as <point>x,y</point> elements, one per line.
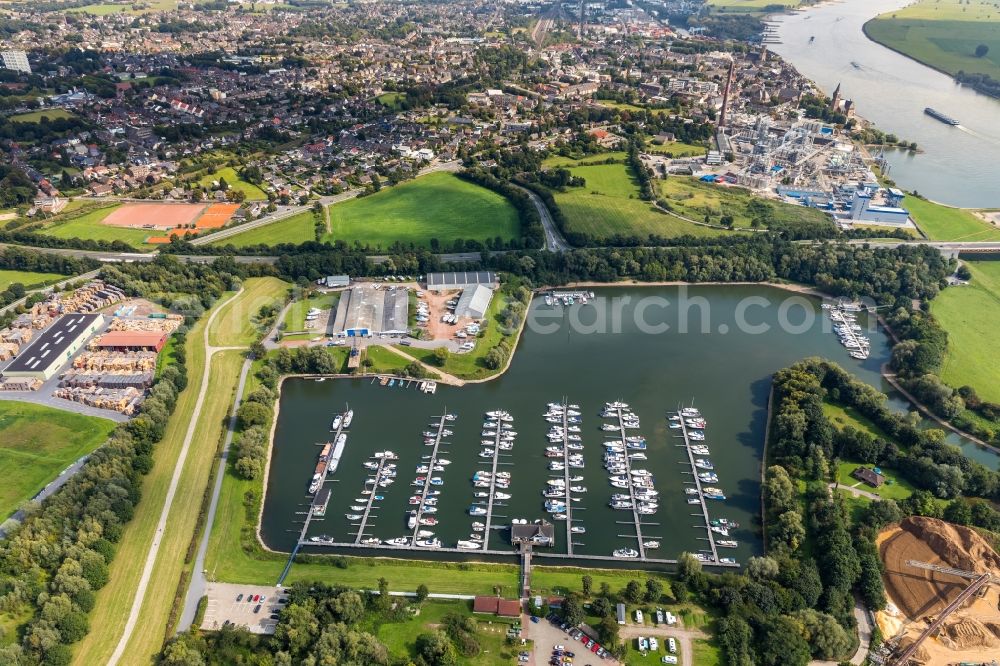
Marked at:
<point>54,347</point>
<point>365,311</point>
<point>125,341</point>
<point>334,281</point>
<point>474,302</point>
<point>460,280</point>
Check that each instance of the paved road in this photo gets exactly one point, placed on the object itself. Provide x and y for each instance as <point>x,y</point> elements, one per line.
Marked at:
<point>154,548</point>
<point>199,584</point>
<point>857,492</point>
<point>554,241</point>
<point>864,635</point>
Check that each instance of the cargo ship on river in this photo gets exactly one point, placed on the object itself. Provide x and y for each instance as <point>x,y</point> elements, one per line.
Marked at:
<point>937,115</point>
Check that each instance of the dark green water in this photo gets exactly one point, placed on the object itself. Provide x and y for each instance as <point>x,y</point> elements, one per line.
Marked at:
<point>726,375</point>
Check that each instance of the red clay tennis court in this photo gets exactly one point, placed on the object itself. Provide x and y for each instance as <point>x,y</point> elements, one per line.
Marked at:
<point>215,216</point>
<point>154,215</point>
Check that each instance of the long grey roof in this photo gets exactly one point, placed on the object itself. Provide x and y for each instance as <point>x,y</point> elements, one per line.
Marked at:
<point>458,279</point>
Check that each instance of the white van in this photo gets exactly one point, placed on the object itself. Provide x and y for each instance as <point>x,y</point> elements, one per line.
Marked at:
<point>638,616</point>
<point>672,645</point>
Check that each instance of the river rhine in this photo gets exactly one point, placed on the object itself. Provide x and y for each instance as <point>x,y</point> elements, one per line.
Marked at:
<point>726,375</point>
<point>958,165</point>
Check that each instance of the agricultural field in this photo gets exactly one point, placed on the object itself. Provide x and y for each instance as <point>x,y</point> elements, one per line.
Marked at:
<point>89,226</point>
<point>38,442</point>
<point>971,316</point>
<point>436,206</point>
<point>143,7</point>
<point>609,204</point>
<point>252,192</point>
<point>299,228</point>
<point>944,223</point>
<point>944,34</point>
<point>28,279</point>
<point>36,116</point>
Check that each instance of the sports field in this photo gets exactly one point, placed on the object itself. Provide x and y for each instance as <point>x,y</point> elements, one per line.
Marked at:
<point>38,442</point>
<point>944,34</point>
<point>252,192</point>
<point>28,279</point>
<point>91,226</point>
<point>35,116</point>
<point>153,215</point>
<point>438,205</point>
<point>971,315</point>
<point>609,204</point>
<point>944,223</point>
<point>296,229</point>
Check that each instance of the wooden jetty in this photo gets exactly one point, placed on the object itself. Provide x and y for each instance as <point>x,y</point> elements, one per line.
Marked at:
<point>438,436</point>
<point>701,496</point>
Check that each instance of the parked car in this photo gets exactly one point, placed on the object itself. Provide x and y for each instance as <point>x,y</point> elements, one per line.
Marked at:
<point>534,619</point>
<point>256,609</point>
<point>668,659</point>
<point>239,597</point>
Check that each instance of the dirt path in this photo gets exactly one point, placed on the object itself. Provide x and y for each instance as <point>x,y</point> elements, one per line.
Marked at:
<point>857,492</point>
<point>154,548</point>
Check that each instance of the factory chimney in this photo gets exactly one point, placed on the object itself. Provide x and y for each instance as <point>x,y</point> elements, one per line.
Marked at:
<point>725,95</point>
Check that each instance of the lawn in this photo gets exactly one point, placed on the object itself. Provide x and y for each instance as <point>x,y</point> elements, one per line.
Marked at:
<point>943,34</point>
<point>841,416</point>
<point>609,204</point>
<point>295,318</point>
<point>28,279</point>
<point>400,637</point>
<point>237,323</point>
<point>38,442</point>
<point>299,228</point>
<point>706,653</point>
<point>437,206</point>
<point>895,488</point>
<point>89,226</point>
<point>114,600</point>
<point>107,8</point>
<point>252,192</point>
<point>944,223</point>
<point>971,316</point>
<point>36,116</point>
<point>384,360</point>
<point>391,99</point>
<point>676,149</point>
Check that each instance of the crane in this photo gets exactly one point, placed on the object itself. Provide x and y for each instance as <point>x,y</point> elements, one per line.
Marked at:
<point>979,580</point>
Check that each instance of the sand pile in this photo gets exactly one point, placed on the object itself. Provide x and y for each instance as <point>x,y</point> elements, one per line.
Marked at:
<point>967,634</point>
<point>920,592</point>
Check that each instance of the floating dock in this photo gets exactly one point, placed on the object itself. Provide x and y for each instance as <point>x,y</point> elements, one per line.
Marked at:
<point>371,500</point>
<point>701,496</point>
<point>637,520</point>
<point>438,436</point>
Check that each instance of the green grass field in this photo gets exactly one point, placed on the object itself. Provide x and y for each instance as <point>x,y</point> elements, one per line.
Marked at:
<point>28,279</point>
<point>895,488</point>
<point>299,228</point>
<point>36,116</point>
<point>676,149</point>
<point>391,99</point>
<point>971,315</point>
<point>945,223</point>
<point>236,324</point>
<point>89,226</point>
<point>438,205</point>
<point>252,192</point>
<point>38,442</point>
<point>943,34</point>
<point>105,9</point>
<point>609,204</point>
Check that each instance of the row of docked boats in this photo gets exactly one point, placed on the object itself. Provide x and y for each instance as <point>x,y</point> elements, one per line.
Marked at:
<point>565,452</point>
<point>849,332</point>
<point>691,421</point>
<point>639,492</point>
<point>427,482</point>
<point>568,298</point>
<point>382,474</point>
<point>489,485</point>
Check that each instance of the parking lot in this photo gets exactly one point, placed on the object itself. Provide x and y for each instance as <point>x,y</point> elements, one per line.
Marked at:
<point>546,636</point>
<point>252,606</point>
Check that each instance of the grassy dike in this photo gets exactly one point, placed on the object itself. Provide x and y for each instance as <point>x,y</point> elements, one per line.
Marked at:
<point>114,600</point>
<point>231,327</point>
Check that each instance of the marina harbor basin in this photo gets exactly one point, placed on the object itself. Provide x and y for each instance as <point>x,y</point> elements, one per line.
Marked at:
<point>455,470</point>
